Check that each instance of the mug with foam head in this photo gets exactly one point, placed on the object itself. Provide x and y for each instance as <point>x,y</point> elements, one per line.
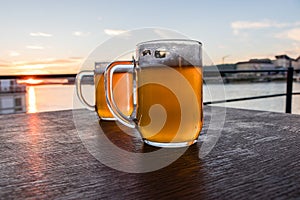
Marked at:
<point>122,87</point>
<point>168,92</point>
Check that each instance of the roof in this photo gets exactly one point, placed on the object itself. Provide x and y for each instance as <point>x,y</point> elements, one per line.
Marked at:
<point>284,56</point>
<point>257,61</point>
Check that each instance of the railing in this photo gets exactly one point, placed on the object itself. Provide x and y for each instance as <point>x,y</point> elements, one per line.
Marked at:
<point>289,87</point>
<point>289,84</point>
<point>38,76</point>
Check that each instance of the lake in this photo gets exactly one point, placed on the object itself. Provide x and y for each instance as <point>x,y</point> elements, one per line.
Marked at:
<point>61,97</point>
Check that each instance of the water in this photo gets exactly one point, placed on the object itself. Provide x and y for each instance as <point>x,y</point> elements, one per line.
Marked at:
<point>49,98</point>
<point>60,97</point>
<point>239,90</point>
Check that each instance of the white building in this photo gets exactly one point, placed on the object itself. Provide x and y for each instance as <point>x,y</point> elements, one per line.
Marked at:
<point>283,61</point>
<point>296,63</point>
<point>12,97</point>
<point>255,64</point>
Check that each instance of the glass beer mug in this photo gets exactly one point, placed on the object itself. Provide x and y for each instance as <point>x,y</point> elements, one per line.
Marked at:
<point>122,87</point>
<point>168,92</point>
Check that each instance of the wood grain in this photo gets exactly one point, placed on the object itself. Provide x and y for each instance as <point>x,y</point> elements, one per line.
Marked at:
<point>42,156</point>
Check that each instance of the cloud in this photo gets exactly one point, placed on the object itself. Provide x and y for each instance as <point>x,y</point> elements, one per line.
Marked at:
<point>44,66</point>
<point>14,54</point>
<point>52,61</point>
<point>37,66</point>
<point>34,47</point>
<point>40,34</point>
<point>31,71</point>
<point>4,64</point>
<point>113,32</point>
<point>292,34</point>
<point>255,25</point>
<point>247,25</point>
<point>81,34</point>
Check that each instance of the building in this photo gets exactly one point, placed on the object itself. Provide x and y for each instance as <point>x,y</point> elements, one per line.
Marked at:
<point>12,97</point>
<point>255,64</point>
<point>283,61</point>
<point>296,63</point>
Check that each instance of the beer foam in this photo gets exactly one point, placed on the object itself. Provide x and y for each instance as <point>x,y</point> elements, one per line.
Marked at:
<point>170,53</point>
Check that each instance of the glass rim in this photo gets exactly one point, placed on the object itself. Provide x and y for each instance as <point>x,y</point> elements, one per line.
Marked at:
<point>169,40</point>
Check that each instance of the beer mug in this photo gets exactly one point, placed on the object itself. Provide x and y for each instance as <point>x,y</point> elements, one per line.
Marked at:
<point>122,87</point>
<point>168,92</point>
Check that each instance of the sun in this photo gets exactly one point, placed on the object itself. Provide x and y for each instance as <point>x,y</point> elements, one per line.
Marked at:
<point>31,81</point>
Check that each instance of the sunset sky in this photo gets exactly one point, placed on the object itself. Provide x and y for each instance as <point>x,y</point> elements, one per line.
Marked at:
<point>54,36</point>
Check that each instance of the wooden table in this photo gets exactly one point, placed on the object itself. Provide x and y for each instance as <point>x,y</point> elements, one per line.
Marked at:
<point>43,156</point>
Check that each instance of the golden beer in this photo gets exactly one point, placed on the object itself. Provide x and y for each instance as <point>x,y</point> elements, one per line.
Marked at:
<point>177,127</point>
<point>168,92</point>
<point>122,88</point>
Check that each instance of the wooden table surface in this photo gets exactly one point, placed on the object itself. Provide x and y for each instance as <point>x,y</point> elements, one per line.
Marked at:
<point>44,156</point>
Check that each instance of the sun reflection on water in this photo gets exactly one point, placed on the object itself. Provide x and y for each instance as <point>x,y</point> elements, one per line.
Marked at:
<point>31,100</point>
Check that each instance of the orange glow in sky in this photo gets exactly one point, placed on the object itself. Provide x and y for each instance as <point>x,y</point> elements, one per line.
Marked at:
<point>31,81</point>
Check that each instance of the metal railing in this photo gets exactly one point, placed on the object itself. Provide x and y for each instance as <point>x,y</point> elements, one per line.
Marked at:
<point>38,76</point>
<point>289,87</point>
<point>289,84</point>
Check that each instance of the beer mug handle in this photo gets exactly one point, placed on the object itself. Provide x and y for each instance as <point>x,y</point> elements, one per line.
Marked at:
<point>108,84</point>
<point>78,80</point>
